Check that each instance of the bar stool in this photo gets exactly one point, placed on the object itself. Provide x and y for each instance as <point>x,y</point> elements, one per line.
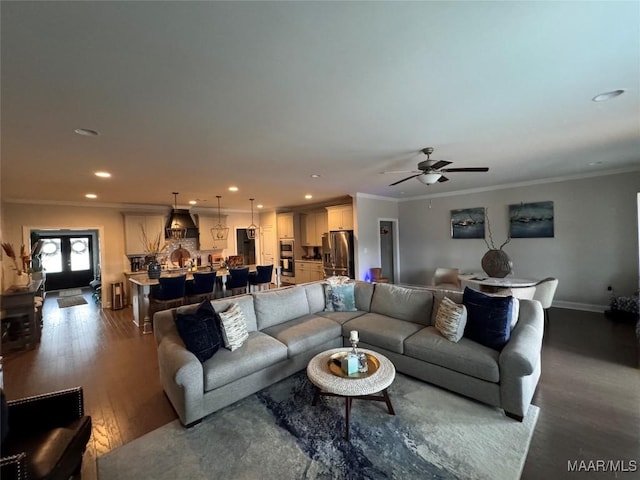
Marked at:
<point>261,277</point>
<point>238,280</point>
<point>169,293</point>
<point>201,287</point>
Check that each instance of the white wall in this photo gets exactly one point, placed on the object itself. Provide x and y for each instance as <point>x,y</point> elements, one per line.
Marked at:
<point>595,243</point>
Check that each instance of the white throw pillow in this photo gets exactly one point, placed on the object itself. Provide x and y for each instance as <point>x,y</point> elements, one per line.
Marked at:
<point>451,320</point>
<point>234,327</point>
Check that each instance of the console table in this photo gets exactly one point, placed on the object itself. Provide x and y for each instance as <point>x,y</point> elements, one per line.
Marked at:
<point>20,326</point>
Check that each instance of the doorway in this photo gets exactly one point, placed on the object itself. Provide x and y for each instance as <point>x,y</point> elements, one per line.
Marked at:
<point>68,258</point>
<point>245,246</point>
<point>387,251</point>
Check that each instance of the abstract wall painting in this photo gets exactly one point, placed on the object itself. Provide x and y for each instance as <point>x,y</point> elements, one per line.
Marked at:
<point>531,220</point>
<point>467,223</point>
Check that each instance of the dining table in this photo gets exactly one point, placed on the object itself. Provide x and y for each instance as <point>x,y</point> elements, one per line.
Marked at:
<point>518,287</point>
<point>141,286</point>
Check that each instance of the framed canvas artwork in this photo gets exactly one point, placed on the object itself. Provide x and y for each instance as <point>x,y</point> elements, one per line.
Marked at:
<point>531,220</point>
<point>467,223</point>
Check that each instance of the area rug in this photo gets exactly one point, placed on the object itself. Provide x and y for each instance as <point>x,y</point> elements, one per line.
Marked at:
<point>71,292</point>
<point>277,433</point>
<point>71,301</point>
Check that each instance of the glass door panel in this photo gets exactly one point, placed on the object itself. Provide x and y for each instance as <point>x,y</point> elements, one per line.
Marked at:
<point>66,260</point>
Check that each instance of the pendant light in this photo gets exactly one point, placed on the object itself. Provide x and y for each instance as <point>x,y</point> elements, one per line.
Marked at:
<point>251,229</point>
<point>175,231</point>
<point>219,232</point>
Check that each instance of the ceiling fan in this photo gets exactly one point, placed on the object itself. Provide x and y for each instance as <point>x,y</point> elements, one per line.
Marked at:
<point>431,171</point>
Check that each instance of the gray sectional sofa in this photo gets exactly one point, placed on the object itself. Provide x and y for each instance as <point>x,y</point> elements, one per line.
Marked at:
<point>288,326</point>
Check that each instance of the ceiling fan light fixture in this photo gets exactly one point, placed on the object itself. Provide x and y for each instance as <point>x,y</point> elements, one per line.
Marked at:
<point>429,178</point>
<point>603,97</point>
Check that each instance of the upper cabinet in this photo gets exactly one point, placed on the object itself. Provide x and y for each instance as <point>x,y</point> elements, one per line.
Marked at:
<point>314,225</point>
<point>285,224</point>
<point>340,217</point>
<point>205,224</point>
<point>134,224</point>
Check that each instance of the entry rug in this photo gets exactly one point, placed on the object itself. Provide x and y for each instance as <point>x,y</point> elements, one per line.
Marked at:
<point>70,292</point>
<point>277,433</point>
<point>64,302</point>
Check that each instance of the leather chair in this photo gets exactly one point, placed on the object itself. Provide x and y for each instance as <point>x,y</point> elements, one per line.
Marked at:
<point>238,280</point>
<point>375,275</point>
<point>168,293</point>
<point>545,291</point>
<point>201,287</point>
<point>261,277</point>
<point>44,436</point>
<point>447,278</point>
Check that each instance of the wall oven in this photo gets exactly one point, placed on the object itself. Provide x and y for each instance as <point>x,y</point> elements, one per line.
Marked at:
<point>286,258</point>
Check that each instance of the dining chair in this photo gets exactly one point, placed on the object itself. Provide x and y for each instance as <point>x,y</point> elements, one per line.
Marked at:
<point>238,280</point>
<point>169,293</point>
<point>446,278</point>
<point>545,291</point>
<point>261,277</point>
<point>202,287</point>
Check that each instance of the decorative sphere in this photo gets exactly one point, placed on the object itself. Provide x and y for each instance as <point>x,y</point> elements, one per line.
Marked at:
<point>496,263</point>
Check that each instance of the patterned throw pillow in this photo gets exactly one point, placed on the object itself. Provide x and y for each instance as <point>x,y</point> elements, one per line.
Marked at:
<point>340,297</point>
<point>451,320</point>
<point>234,327</point>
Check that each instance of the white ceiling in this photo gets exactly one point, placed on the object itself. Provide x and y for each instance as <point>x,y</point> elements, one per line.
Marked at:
<point>196,96</point>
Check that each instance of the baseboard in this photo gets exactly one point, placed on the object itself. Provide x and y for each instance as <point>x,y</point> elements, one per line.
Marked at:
<point>585,307</point>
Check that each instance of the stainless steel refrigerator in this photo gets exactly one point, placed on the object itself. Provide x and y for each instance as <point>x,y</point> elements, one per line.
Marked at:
<point>337,253</point>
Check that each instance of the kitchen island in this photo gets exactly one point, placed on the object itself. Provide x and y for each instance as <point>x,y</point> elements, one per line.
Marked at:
<point>141,291</point>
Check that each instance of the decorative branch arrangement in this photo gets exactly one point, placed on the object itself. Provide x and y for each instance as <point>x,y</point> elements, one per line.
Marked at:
<point>153,246</point>
<point>25,258</point>
<point>490,244</point>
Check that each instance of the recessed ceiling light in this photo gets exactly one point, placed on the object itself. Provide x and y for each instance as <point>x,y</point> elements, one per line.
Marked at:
<point>315,175</point>
<point>192,202</point>
<point>86,132</point>
<point>91,195</point>
<point>603,97</point>
<point>233,189</point>
<point>593,164</point>
<point>260,205</point>
<point>102,174</point>
<point>308,196</point>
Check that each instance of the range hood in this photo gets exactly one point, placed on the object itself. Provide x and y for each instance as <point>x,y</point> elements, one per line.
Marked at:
<point>183,219</point>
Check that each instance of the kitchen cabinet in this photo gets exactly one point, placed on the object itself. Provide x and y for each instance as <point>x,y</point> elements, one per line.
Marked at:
<point>285,223</point>
<point>315,224</point>
<point>134,240</point>
<point>205,224</point>
<point>340,217</point>
<point>308,271</point>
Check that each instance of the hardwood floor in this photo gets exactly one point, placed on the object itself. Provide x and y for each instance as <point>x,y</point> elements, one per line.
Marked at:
<point>589,393</point>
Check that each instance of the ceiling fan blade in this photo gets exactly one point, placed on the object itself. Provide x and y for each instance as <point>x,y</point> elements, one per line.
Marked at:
<point>468,169</point>
<point>443,179</point>
<point>439,164</point>
<point>401,171</point>
<point>405,179</point>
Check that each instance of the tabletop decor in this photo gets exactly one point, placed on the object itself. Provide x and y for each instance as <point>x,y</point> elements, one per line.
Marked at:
<point>153,247</point>
<point>496,262</point>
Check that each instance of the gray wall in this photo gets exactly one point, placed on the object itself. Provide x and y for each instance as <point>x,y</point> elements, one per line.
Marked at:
<point>595,243</point>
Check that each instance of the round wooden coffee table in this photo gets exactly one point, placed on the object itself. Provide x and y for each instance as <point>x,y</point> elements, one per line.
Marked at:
<point>360,386</point>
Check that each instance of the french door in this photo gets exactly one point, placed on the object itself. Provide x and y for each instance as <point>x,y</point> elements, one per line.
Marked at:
<point>67,260</point>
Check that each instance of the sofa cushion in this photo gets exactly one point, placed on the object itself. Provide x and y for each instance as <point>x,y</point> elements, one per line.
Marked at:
<point>341,317</point>
<point>278,306</point>
<point>304,333</point>
<point>258,351</point>
<point>315,296</point>
<point>488,318</point>
<point>340,298</point>
<point>246,304</point>
<point>451,320</point>
<point>411,305</point>
<point>233,326</point>
<point>364,294</point>
<point>466,356</point>
<point>381,331</point>
<point>199,330</point>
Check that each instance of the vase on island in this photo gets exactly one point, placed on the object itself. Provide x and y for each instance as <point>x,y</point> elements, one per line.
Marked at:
<point>154,269</point>
<point>496,263</point>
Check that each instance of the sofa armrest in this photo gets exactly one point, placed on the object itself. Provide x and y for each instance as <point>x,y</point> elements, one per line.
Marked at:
<point>521,354</point>
<point>47,411</point>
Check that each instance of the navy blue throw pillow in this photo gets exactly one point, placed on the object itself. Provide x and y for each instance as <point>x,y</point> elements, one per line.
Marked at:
<point>488,318</point>
<point>199,331</point>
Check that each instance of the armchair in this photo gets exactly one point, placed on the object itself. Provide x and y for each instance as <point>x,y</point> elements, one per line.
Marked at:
<point>44,436</point>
